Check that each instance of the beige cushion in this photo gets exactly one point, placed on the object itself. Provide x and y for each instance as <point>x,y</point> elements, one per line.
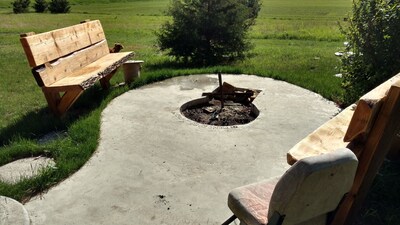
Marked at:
<point>311,188</point>
<point>314,186</point>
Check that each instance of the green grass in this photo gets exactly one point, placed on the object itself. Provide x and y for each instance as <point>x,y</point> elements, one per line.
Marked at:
<point>294,40</point>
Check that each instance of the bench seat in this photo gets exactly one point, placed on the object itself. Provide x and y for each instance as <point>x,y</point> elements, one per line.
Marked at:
<point>93,72</point>
<point>324,139</point>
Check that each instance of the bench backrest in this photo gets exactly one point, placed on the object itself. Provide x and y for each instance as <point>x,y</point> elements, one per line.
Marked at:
<point>313,186</point>
<point>371,131</point>
<point>55,54</point>
<point>367,111</point>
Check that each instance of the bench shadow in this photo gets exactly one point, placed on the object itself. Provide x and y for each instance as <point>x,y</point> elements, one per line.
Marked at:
<point>36,124</point>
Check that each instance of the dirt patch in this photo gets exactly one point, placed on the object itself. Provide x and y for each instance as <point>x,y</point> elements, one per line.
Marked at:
<point>233,113</point>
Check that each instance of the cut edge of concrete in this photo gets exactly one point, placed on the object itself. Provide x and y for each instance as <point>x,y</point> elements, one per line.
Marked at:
<point>13,212</point>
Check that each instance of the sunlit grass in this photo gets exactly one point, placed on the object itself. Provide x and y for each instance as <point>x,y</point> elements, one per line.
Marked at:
<point>294,41</point>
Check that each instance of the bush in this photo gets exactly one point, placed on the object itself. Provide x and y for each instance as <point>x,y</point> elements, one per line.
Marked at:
<point>21,6</point>
<point>40,6</point>
<point>208,31</point>
<point>374,46</point>
<point>59,6</point>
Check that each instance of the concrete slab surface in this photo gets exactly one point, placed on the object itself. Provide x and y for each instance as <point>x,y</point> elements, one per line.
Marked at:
<point>17,170</point>
<point>12,212</point>
<point>154,166</point>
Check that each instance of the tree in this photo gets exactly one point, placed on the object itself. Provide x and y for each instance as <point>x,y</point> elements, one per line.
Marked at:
<point>208,31</point>
<point>374,46</point>
<point>40,6</point>
<point>59,6</point>
<point>21,6</point>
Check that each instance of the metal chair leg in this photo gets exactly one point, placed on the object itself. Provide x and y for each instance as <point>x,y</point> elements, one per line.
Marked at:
<point>230,220</point>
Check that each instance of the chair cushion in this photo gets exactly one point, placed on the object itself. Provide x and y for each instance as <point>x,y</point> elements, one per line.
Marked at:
<point>314,186</point>
<point>250,203</point>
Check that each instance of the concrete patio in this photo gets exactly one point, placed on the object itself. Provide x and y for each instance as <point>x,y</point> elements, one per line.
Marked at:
<point>154,166</point>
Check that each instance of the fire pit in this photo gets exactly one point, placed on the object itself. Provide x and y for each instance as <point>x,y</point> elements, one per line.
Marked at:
<point>225,106</point>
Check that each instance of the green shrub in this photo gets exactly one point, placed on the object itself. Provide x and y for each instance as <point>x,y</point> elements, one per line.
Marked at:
<point>59,6</point>
<point>374,46</point>
<point>40,6</point>
<point>21,6</point>
<point>208,31</point>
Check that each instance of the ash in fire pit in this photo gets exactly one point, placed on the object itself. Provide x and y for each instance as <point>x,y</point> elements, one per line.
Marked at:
<point>225,106</point>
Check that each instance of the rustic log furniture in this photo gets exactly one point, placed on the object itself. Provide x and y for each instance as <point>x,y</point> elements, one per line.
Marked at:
<point>67,61</point>
<point>305,195</point>
<point>368,128</point>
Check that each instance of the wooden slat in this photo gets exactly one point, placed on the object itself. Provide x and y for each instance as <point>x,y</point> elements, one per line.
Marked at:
<point>362,120</point>
<point>366,111</point>
<point>63,67</point>
<point>324,139</point>
<point>86,76</point>
<point>48,46</point>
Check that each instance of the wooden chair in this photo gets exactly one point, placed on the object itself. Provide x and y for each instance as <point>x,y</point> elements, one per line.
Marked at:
<point>310,190</point>
<point>368,129</point>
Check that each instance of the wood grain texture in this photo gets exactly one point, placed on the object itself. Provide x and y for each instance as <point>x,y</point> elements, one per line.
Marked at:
<point>352,124</point>
<point>68,99</point>
<point>362,120</point>
<point>50,73</point>
<point>88,75</point>
<point>324,139</point>
<point>375,149</point>
<point>367,109</point>
<point>53,99</point>
<point>69,60</point>
<point>48,46</point>
<point>60,102</point>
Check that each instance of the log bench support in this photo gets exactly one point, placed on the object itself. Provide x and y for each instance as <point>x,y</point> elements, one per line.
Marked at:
<point>67,61</point>
<point>60,102</point>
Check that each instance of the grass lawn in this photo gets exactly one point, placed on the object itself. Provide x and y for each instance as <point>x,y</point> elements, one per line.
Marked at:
<point>294,40</point>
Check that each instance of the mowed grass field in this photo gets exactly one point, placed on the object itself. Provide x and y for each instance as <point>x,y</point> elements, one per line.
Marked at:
<point>294,40</point>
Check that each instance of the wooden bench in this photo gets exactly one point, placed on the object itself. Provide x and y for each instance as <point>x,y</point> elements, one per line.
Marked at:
<point>67,61</point>
<point>368,128</point>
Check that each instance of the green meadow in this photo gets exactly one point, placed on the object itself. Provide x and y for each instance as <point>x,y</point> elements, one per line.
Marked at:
<point>294,41</point>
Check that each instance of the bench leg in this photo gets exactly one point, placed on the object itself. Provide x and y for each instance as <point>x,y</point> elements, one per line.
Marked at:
<point>53,99</point>
<point>60,104</point>
<point>105,81</point>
